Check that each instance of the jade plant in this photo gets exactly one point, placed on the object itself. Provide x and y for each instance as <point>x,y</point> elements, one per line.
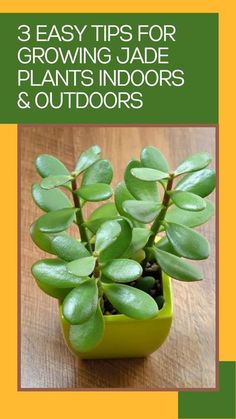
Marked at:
<point>115,264</point>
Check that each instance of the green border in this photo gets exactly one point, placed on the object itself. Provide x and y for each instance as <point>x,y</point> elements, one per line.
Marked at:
<point>195,52</point>
<point>215,405</point>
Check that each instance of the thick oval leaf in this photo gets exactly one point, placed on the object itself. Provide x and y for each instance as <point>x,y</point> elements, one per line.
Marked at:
<point>53,181</point>
<point>187,242</point>
<point>100,215</point>
<point>82,267</point>
<point>122,194</point>
<point>68,248</point>
<point>149,175</point>
<point>86,336</point>
<point>122,270</point>
<point>50,200</point>
<point>42,240</point>
<point>87,158</point>
<point>56,221</point>
<point>118,247</point>
<point>176,267</point>
<point>165,245</point>
<point>59,293</point>
<point>96,192</point>
<point>188,201</point>
<point>153,158</point>
<point>201,183</point>
<point>140,238</point>
<point>131,301</point>
<point>195,162</point>
<point>160,300</point>
<point>54,272</point>
<point>107,234</point>
<point>139,256</point>
<point>81,303</point>
<point>140,189</point>
<point>106,210</point>
<point>100,172</point>
<point>189,218</point>
<point>94,225</point>
<point>47,165</point>
<point>143,211</point>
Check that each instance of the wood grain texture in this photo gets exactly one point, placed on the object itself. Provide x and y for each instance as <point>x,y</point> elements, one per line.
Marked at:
<point>187,358</point>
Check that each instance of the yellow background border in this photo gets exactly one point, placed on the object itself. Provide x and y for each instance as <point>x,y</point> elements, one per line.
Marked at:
<point>118,404</point>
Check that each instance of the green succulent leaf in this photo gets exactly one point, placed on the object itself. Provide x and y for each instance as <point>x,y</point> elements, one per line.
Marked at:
<point>153,158</point>
<point>193,163</point>
<point>53,181</point>
<point>87,158</point>
<point>82,267</point>
<point>86,336</point>
<point>96,192</point>
<point>59,293</point>
<point>190,218</point>
<point>100,215</point>
<point>107,234</point>
<point>139,256</point>
<point>47,165</point>
<point>81,303</point>
<point>201,183</point>
<point>42,240</point>
<point>188,201</point>
<point>94,225</point>
<point>100,172</point>
<point>122,270</point>
<point>149,175</point>
<point>164,244</point>
<point>176,267</point>
<point>140,189</point>
<point>122,194</point>
<point>106,210</point>
<point>131,301</point>
<point>68,248</point>
<point>143,211</point>
<point>117,244</point>
<point>56,221</point>
<point>53,272</point>
<point>160,300</point>
<point>140,238</point>
<point>187,242</point>
<point>50,200</point>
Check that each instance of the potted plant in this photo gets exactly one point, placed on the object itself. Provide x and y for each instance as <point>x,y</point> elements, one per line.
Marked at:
<point>113,282</point>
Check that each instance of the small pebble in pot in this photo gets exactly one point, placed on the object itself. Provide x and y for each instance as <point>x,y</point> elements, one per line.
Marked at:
<point>158,285</point>
<point>114,311</point>
<point>145,283</point>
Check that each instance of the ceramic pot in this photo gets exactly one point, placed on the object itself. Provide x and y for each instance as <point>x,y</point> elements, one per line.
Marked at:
<point>129,338</point>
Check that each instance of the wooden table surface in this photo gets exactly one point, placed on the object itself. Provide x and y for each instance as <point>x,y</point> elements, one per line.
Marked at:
<point>187,358</point>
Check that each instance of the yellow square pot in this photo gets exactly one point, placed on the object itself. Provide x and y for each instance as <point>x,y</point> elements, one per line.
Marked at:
<point>129,338</point>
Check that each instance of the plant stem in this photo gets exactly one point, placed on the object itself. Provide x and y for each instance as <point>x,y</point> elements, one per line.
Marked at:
<point>100,295</point>
<point>159,219</point>
<point>79,217</point>
<point>96,271</point>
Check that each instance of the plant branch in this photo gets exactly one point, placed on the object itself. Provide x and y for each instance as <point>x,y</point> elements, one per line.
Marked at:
<point>79,216</point>
<point>159,219</point>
